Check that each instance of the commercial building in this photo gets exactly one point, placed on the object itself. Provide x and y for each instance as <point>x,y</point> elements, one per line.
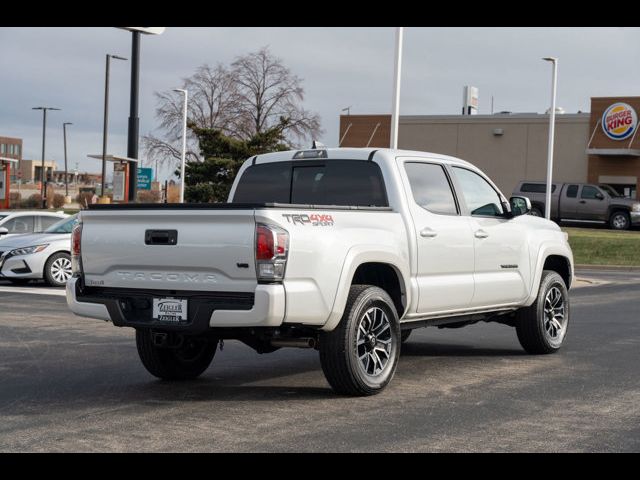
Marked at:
<point>31,170</point>
<point>596,147</point>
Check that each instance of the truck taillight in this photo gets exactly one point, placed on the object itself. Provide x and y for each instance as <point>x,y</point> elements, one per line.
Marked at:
<point>272,249</point>
<point>76,238</point>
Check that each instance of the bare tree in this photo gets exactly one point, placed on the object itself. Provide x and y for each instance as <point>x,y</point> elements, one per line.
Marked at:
<point>267,92</point>
<point>212,104</point>
<point>248,99</point>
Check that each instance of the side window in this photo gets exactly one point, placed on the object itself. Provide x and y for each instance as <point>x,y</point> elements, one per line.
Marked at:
<point>20,225</point>
<point>46,222</point>
<point>536,188</point>
<point>572,191</point>
<point>589,192</point>
<point>430,187</point>
<point>480,196</point>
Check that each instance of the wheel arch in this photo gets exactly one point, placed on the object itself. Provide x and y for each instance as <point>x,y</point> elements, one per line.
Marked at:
<point>560,265</point>
<point>384,269</point>
<point>552,256</point>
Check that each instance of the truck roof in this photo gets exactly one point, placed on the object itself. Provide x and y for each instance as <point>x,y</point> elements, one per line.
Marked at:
<point>386,154</point>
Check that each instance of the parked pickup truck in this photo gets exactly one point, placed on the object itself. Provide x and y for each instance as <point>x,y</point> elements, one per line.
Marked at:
<point>582,202</point>
<point>341,250</point>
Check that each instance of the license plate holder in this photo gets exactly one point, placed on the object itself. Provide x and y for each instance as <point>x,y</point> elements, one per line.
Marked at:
<point>170,310</point>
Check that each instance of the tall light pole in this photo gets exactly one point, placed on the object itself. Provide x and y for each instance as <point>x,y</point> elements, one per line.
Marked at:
<point>43,191</point>
<point>106,119</point>
<point>66,181</point>
<point>184,141</point>
<point>134,121</point>
<point>552,124</point>
<point>395,111</point>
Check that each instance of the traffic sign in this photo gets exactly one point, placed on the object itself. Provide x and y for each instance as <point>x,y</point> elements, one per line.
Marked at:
<point>144,178</point>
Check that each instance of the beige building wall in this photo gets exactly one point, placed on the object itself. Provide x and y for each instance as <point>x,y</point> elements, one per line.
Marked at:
<point>519,153</point>
<point>30,168</point>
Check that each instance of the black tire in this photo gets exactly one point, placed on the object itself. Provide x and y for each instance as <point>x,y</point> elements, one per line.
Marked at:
<point>404,336</point>
<point>19,281</point>
<point>619,220</point>
<point>184,363</point>
<point>536,212</point>
<point>531,321</point>
<point>339,350</point>
<point>53,262</point>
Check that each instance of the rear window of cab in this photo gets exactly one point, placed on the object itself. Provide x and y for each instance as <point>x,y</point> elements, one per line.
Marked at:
<point>334,182</point>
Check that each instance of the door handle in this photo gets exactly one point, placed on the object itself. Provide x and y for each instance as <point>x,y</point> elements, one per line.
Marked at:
<point>481,234</point>
<point>583,201</point>
<point>428,233</point>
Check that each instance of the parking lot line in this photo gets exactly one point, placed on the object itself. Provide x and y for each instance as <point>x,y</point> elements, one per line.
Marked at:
<point>36,291</point>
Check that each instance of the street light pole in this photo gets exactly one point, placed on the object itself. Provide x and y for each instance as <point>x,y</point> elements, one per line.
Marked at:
<point>552,123</point>
<point>134,121</point>
<point>396,88</point>
<point>66,181</point>
<point>106,120</point>
<point>43,190</point>
<point>184,141</point>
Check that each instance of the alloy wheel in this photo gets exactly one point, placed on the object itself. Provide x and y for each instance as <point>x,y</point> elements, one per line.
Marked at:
<point>374,341</point>
<point>554,315</point>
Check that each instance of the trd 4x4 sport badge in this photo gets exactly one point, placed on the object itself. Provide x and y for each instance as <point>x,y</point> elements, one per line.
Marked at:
<point>315,219</point>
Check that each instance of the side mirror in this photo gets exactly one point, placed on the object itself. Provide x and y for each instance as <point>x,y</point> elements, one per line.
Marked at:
<point>3,231</point>
<point>519,206</point>
<point>599,196</point>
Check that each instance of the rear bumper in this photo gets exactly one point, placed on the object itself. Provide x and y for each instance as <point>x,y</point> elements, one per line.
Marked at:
<point>132,308</point>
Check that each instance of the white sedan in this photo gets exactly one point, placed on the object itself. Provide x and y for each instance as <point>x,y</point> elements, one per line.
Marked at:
<point>39,255</point>
<point>19,222</point>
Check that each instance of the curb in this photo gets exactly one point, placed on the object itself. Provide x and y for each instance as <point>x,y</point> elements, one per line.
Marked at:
<point>624,268</point>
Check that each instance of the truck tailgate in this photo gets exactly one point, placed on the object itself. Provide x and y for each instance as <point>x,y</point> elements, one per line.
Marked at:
<point>213,251</point>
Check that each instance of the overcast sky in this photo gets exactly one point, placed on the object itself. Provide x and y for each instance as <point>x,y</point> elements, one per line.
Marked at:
<point>64,67</point>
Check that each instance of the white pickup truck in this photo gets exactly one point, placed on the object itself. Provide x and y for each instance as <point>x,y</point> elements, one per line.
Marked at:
<point>341,250</point>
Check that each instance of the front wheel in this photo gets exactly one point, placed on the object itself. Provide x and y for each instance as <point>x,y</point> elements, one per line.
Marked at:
<point>359,357</point>
<point>57,270</point>
<point>542,327</point>
<point>536,212</point>
<point>620,221</point>
<point>185,362</point>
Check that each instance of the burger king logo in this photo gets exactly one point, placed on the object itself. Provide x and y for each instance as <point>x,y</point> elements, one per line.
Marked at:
<point>619,121</point>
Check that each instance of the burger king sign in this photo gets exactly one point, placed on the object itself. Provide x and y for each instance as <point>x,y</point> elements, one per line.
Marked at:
<point>619,121</point>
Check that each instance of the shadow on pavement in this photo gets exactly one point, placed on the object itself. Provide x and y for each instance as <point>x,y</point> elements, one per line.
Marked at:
<point>418,349</point>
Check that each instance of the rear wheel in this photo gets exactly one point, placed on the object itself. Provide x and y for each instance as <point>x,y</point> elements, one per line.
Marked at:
<point>57,270</point>
<point>620,221</point>
<point>542,327</point>
<point>185,362</point>
<point>536,212</point>
<point>359,357</point>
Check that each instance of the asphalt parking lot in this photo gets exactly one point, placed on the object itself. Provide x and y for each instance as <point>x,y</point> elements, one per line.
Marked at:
<point>72,384</point>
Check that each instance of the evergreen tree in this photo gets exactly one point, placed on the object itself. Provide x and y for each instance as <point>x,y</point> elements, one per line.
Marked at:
<point>211,179</point>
